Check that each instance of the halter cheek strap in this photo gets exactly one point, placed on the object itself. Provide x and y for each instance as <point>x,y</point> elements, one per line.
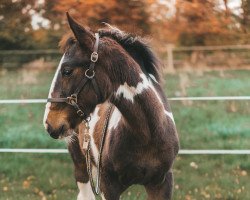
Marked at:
<point>89,76</point>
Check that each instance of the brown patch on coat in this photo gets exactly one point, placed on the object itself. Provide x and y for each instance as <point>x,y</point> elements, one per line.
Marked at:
<point>97,133</point>
<point>57,118</point>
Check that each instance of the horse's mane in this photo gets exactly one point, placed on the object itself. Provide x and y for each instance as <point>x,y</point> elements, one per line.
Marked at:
<point>134,45</point>
<point>137,47</point>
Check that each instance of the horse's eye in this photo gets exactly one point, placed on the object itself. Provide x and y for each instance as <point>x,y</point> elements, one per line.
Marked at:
<point>67,71</point>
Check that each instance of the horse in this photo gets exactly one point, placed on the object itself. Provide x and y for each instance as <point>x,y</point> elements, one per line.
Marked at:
<point>107,100</point>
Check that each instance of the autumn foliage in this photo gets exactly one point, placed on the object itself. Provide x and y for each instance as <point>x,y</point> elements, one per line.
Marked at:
<point>129,15</point>
<point>182,22</point>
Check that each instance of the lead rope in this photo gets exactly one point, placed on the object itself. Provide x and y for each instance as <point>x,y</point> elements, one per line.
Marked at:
<point>86,146</point>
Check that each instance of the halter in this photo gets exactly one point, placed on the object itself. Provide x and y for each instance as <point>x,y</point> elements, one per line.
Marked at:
<point>89,76</point>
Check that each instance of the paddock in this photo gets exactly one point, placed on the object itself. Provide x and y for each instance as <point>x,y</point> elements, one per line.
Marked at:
<point>190,159</point>
<point>181,152</point>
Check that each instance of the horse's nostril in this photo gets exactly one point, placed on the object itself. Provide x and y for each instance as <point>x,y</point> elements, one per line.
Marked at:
<point>61,130</point>
<point>49,127</point>
<point>53,133</point>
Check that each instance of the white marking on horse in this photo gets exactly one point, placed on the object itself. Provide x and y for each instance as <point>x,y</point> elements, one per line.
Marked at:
<point>115,119</point>
<point>130,92</point>
<point>126,91</point>
<point>156,93</point>
<point>94,119</point>
<point>103,197</point>
<point>52,87</point>
<point>153,78</point>
<point>85,191</point>
<point>170,115</point>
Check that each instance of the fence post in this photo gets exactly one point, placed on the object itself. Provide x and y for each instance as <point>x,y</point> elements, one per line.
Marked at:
<point>170,57</point>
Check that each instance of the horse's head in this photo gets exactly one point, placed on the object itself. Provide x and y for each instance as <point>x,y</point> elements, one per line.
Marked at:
<point>84,78</point>
<point>79,71</point>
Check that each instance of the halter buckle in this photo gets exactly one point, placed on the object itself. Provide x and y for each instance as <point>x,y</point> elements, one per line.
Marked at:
<point>80,113</point>
<point>89,76</point>
<point>72,99</point>
<point>94,57</point>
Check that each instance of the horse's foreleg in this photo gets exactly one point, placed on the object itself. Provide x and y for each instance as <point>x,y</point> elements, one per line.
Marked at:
<point>162,191</point>
<point>110,187</point>
<point>80,169</point>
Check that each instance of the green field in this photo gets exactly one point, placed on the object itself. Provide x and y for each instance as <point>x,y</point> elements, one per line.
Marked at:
<point>201,125</point>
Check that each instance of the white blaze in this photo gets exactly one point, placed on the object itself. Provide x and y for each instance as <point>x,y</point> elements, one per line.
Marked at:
<point>47,108</point>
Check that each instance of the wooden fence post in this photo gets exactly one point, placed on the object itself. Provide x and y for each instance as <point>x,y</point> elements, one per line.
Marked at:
<point>170,58</point>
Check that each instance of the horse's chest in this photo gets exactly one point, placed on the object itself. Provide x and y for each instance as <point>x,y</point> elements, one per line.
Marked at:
<point>139,172</point>
<point>135,165</point>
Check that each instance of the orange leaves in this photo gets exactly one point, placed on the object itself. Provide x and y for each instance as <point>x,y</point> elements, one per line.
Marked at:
<point>129,15</point>
<point>84,10</point>
<point>201,22</point>
<point>27,182</point>
<point>187,22</point>
<point>199,16</point>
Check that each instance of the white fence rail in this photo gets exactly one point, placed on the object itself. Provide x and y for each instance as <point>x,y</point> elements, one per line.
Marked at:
<point>33,151</point>
<point>183,151</point>
<point>224,98</point>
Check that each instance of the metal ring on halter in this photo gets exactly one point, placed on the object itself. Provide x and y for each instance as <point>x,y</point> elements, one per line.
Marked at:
<point>80,113</point>
<point>94,57</point>
<point>72,99</point>
<point>90,76</point>
<point>88,119</point>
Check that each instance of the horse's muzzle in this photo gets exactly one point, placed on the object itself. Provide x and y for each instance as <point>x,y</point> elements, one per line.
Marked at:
<point>55,133</point>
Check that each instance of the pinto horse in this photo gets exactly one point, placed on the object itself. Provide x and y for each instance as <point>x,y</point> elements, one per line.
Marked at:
<point>110,81</point>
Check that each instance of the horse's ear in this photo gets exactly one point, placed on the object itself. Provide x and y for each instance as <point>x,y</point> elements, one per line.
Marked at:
<point>83,36</point>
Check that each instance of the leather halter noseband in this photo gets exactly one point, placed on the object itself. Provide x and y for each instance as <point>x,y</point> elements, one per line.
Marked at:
<point>89,76</point>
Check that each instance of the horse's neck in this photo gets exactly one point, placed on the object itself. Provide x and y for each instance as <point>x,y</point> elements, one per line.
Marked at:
<point>141,106</point>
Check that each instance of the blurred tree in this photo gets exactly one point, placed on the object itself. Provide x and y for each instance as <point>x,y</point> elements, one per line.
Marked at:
<point>245,15</point>
<point>190,22</point>
<point>131,15</point>
<point>201,22</point>
<point>15,24</point>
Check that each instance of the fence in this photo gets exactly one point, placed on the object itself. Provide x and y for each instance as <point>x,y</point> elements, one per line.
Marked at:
<point>207,56</point>
<point>195,56</point>
<point>176,57</point>
<point>21,58</point>
<point>183,151</point>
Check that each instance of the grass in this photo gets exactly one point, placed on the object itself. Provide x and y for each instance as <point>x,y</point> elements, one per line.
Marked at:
<point>201,125</point>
